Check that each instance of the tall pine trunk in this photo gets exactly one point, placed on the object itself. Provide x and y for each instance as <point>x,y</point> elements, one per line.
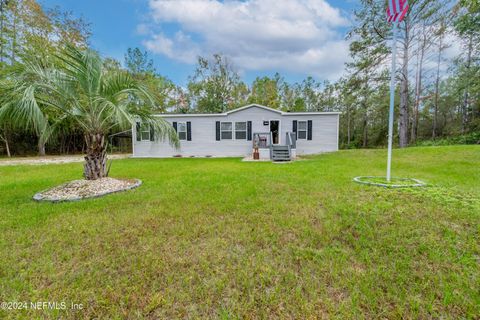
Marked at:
<point>14,36</point>
<point>41,148</point>
<point>365,130</point>
<point>4,137</point>
<point>7,146</point>
<point>365,102</point>
<point>2,17</point>
<point>418,87</point>
<point>348,127</point>
<point>95,166</point>
<point>437,85</point>
<point>403,114</point>
<point>466,103</point>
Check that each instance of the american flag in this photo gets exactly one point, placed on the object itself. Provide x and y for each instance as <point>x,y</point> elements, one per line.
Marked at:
<point>396,10</point>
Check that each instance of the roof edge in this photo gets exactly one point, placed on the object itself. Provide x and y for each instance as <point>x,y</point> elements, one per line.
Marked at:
<point>223,114</point>
<point>254,105</point>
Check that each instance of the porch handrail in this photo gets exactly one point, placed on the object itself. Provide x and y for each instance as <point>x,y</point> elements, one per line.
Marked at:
<point>271,145</point>
<point>289,144</point>
<point>293,139</point>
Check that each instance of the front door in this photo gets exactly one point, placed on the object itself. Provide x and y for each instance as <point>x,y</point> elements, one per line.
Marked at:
<point>275,130</point>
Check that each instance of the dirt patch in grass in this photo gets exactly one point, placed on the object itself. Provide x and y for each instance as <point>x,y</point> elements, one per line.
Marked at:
<point>82,189</point>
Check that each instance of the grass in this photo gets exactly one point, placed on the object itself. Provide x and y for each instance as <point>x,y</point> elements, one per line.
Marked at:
<point>221,238</point>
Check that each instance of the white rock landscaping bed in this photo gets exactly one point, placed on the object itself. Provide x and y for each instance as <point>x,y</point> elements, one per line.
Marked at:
<point>393,183</point>
<point>83,189</point>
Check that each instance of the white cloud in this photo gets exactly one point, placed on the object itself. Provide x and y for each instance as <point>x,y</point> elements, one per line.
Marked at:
<point>288,35</point>
<point>180,47</point>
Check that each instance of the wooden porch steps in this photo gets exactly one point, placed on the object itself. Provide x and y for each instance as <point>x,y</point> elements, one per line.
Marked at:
<point>280,153</point>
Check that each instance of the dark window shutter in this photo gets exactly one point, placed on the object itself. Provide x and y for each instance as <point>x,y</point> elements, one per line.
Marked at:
<point>139,137</point>
<point>294,125</point>
<point>217,130</point>
<point>152,133</point>
<point>174,124</point>
<point>309,133</point>
<point>249,130</point>
<point>189,131</point>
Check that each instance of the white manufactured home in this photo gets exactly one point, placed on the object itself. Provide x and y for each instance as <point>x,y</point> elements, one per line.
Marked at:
<point>278,135</point>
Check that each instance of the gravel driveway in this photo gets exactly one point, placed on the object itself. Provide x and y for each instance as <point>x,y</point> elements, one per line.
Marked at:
<point>51,160</point>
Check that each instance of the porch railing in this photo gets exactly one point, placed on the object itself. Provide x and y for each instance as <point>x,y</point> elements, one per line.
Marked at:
<point>291,139</point>
<point>263,140</point>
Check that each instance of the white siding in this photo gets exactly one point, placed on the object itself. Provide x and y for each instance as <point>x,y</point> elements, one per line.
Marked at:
<point>324,134</point>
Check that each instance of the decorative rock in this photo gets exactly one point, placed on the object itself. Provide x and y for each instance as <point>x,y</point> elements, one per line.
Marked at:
<point>394,183</point>
<point>84,189</point>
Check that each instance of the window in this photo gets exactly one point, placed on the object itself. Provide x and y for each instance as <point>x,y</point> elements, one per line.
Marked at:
<point>302,130</point>
<point>182,130</point>
<point>240,131</point>
<point>144,132</point>
<point>226,130</point>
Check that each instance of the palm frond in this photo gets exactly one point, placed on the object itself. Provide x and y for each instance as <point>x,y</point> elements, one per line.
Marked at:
<point>76,86</point>
<point>20,108</point>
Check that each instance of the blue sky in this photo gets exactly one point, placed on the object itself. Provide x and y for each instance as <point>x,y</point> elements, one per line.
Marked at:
<point>297,38</point>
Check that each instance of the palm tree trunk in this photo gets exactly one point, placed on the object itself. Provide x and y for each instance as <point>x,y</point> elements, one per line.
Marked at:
<point>95,166</point>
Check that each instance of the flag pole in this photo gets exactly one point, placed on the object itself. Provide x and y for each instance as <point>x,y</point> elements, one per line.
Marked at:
<point>392,100</point>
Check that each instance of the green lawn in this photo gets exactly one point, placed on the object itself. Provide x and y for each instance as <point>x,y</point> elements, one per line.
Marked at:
<point>221,238</point>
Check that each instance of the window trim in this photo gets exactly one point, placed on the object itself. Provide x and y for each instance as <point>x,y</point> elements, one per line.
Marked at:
<point>231,130</point>
<point>186,130</point>
<point>246,129</point>
<point>141,132</point>
<point>305,130</point>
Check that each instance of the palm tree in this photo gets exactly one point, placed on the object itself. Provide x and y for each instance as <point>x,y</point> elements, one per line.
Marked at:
<point>75,85</point>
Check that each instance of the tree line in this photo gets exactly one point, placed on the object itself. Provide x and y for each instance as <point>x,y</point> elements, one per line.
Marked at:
<point>30,32</point>
<point>437,95</point>
<point>62,86</point>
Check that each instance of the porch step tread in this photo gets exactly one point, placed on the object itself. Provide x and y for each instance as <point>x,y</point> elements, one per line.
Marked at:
<point>280,153</point>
